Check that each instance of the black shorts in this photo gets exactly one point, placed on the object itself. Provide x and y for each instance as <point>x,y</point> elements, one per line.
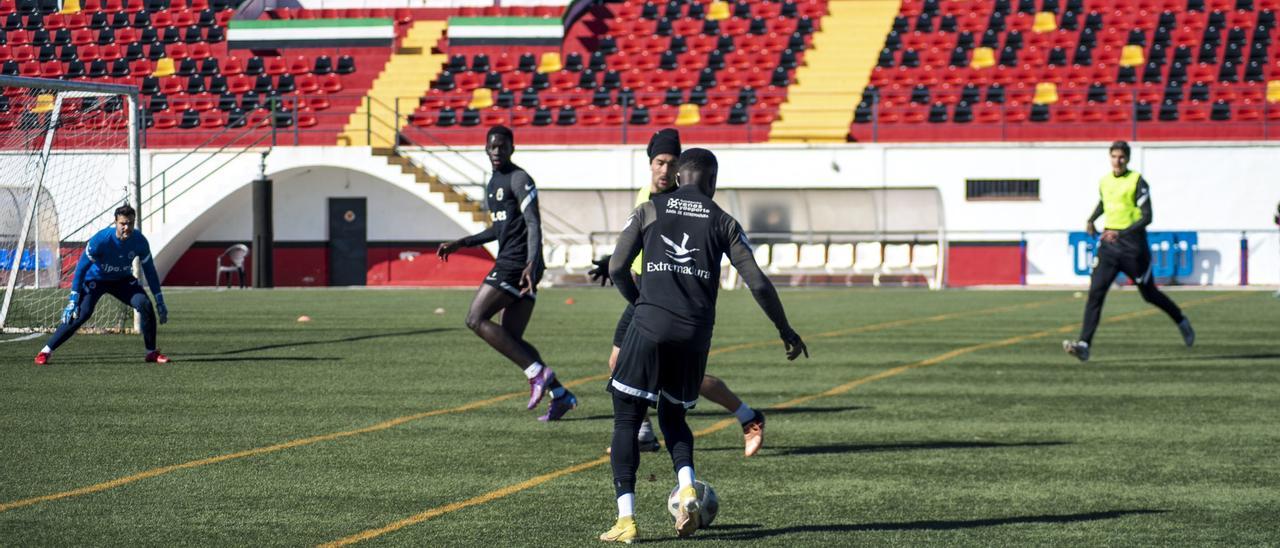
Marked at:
<point>508,279</point>
<point>620,332</point>
<point>649,370</point>
<point>1131,258</point>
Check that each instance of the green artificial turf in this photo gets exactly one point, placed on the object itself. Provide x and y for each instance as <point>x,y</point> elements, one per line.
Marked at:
<point>1149,443</point>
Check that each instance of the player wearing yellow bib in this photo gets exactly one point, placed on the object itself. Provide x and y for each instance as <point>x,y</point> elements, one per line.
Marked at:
<point>664,149</point>
<point>1125,206</point>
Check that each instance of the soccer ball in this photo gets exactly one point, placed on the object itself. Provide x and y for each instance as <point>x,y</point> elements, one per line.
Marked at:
<point>708,502</point>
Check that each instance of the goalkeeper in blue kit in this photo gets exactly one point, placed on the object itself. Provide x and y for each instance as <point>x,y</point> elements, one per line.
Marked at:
<point>106,267</point>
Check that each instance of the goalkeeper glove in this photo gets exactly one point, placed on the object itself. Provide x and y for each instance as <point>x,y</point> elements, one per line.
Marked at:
<point>601,272</point>
<point>72,310</point>
<point>161,310</point>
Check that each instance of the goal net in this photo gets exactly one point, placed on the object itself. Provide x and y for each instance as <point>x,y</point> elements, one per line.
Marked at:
<point>68,158</point>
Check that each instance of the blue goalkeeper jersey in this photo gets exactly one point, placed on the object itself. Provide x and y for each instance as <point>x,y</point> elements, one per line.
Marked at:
<point>108,258</point>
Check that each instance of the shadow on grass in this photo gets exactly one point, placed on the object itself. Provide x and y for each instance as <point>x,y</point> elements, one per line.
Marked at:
<point>571,418</point>
<point>751,532</point>
<point>215,359</point>
<point>716,411</point>
<point>844,448</point>
<point>719,413</point>
<point>328,341</point>
<point>1224,357</point>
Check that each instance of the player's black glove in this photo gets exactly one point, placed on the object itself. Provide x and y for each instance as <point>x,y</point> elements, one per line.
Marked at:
<point>795,346</point>
<point>601,272</point>
<point>161,310</point>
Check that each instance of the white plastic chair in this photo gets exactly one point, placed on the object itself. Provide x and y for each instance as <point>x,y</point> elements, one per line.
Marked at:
<point>924,258</point>
<point>867,257</point>
<point>897,258</point>
<point>785,256</point>
<point>579,257</point>
<point>839,257</point>
<point>762,253</point>
<point>556,256</point>
<point>728,274</point>
<point>812,257</point>
<point>235,255</point>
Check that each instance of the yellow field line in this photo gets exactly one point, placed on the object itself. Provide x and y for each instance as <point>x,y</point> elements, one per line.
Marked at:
<point>111,484</point>
<point>154,472</point>
<point>725,423</point>
<point>894,323</point>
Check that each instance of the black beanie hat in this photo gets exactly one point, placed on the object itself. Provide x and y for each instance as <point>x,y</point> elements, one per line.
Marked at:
<point>665,141</point>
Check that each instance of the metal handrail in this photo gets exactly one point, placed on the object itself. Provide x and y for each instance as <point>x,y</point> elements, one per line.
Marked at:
<point>238,153</point>
<point>401,124</point>
<point>163,175</point>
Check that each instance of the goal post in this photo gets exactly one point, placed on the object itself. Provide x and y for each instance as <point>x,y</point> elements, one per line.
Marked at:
<point>69,156</point>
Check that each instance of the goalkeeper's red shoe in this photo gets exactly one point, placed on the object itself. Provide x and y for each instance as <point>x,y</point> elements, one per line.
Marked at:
<point>155,356</point>
<point>42,358</point>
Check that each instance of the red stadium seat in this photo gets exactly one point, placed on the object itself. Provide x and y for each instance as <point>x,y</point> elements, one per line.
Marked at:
<point>199,51</point>
<point>662,115</point>
<point>276,66</point>
<point>307,84</point>
<point>494,116</point>
<point>520,117</point>
<point>330,83</point>
<point>237,85</point>
<point>423,118</point>
<point>590,117</point>
<point>213,119</point>
<point>306,119</point>
<point>170,85</point>
<point>318,102</point>
<point>140,67</point>
<point>165,120</point>
<point>231,66</point>
<point>109,52</point>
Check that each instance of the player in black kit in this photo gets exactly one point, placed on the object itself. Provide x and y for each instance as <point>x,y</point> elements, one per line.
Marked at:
<point>683,235</point>
<point>511,287</point>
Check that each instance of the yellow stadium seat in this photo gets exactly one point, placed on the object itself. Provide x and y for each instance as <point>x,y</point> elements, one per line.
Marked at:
<point>688,115</point>
<point>550,62</point>
<point>1132,56</point>
<point>164,67</point>
<point>1045,21</point>
<point>481,98</point>
<point>44,103</point>
<point>1046,93</point>
<point>718,10</point>
<point>983,58</point>
<point>71,6</point>
<point>1273,91</point>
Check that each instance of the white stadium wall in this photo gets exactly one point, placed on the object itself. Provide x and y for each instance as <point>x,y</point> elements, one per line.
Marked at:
<point>1219,190</point>
<point>1215,189</point>
<point>301,209</point>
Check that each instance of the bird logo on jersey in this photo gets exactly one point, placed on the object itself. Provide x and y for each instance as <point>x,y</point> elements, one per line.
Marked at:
<point>679,253</point>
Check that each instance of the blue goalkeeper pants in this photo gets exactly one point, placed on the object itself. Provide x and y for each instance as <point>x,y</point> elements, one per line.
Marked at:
<point>128,291</point>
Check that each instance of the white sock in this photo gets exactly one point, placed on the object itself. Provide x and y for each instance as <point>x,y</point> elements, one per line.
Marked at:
<point>626,505</point>
<point>685,476</point>
<point>533,370</point>
<point>745,413</point>
<point>646,431</point>
<point>46,350</point>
